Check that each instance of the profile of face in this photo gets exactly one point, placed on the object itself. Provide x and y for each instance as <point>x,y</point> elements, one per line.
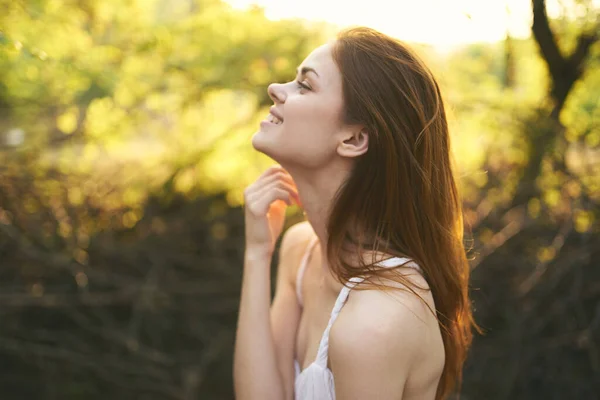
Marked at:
<point>305,126</point>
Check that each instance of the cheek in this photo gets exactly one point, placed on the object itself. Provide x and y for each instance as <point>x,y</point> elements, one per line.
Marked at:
<point>315,118</point>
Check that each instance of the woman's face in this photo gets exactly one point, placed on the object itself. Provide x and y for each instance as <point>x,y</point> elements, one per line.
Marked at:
<point>303,125</point>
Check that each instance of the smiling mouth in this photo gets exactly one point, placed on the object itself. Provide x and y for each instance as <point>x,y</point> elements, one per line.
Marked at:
<point>274,119</point>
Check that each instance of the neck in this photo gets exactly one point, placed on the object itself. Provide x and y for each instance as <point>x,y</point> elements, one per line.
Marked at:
<point>317,189</point>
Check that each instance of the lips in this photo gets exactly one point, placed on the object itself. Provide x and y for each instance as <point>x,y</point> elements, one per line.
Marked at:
<point>275,113</point>
<point>274,119</point>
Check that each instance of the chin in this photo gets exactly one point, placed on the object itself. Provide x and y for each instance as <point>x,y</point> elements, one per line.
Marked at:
<point>260,144</point>
<point>258,141</point>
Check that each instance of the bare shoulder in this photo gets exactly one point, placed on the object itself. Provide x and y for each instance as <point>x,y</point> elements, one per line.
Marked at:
<point>400,332</point>
<point>293,244</point>
<point>392,316</point>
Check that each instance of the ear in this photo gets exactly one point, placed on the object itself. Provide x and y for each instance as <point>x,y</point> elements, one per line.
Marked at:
<point>354,143</point>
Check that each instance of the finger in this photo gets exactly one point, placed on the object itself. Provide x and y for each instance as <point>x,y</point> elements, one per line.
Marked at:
<point>277,184</point>
<point>263,181</point>
<point>272,169</point>
<point>279,176</point>
<point>260,206</point>
<point>284,183</point>
<point>258,195</point>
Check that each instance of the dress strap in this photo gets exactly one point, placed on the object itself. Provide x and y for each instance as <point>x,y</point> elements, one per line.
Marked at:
<point>302,268</point>
<point>323,352</point>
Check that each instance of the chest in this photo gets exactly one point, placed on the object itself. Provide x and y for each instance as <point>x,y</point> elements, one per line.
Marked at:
<point>318,303</point>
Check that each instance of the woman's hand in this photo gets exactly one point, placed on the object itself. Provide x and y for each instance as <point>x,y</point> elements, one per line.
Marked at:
<point>265,202</point>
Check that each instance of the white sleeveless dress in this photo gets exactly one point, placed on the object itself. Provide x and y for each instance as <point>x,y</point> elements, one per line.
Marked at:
<point>315,382</point>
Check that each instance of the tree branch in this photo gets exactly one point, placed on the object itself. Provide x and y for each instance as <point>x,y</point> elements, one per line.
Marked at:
<point>545,39</point>
<point>585,41</point>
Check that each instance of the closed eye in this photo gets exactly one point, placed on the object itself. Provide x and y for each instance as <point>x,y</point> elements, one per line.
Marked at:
<point>303,86</point>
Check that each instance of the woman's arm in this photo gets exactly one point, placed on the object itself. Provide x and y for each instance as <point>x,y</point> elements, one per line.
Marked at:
<point>285,310</point>
<point>255,371</point>
<point>256,374</point>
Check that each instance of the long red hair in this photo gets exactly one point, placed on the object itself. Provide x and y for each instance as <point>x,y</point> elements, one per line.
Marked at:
<point>401,197</point>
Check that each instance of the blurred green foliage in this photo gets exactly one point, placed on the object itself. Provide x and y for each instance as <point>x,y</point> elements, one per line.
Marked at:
<point>165,85</point>
<point>168,91</point>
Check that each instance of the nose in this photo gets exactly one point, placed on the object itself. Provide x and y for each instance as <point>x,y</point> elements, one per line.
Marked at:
<point>277,92</point>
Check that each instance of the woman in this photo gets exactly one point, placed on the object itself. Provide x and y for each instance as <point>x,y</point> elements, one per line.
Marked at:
<point>371,298</point>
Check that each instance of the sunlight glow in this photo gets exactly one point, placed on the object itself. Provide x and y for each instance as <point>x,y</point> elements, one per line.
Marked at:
<point>441,23</point>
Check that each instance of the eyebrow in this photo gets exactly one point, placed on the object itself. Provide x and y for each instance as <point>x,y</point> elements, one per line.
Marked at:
<point>306,70</point>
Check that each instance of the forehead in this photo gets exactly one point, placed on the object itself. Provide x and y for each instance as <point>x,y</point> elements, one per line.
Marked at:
<point>321,53</point>
<point>321,60</point>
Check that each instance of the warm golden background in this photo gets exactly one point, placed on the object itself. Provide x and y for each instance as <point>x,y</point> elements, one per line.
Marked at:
<point>125,131</point>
